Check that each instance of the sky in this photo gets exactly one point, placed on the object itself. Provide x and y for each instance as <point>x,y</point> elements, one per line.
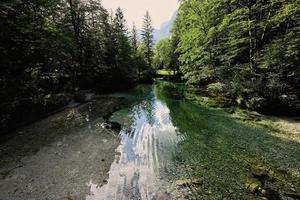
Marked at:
<point>134,10</point>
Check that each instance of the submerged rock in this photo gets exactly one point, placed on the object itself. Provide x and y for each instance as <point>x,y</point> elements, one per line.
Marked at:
<point>253,185</point>
<point>261,182</point>
<point>270,194</point>
<point>261,171</point>
<point>115,126</point>
<point>189,182</point>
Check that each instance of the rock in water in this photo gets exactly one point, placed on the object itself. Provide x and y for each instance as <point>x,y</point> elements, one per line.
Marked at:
<point>253,185</point>
<point>260,171</point>
<point>270,194</point>
<point>188,182</point>
<point>115,126</point>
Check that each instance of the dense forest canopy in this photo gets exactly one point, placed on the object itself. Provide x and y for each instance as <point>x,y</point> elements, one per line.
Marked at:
<point>248,51</point>
<point>52,48</point>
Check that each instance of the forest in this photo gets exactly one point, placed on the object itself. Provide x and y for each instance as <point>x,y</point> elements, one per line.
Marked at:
<point>245,51</point>
<point>94,106</point>
<point>50,50</point>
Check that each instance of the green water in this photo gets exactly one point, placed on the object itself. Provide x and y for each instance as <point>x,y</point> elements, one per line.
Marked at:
<point>224,153</point>
<point>170,139</point>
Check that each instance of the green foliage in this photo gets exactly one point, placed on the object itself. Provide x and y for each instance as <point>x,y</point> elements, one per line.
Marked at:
<point>216,88</point>
<point>162,54</point>
<point>147,38</point>
<point>251,47</point>
<point>164,72</point>
<point>50,47</point>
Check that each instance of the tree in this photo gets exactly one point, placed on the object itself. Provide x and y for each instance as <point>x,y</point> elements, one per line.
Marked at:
<point>124,51</point>
<point>31,67</point>
<point>147,37</point>
<point>251,47</point>
<point>76,14</point>
<point>119,20</point>
<point>134,38</point>
<point>51,49</point>
<point>163,54</point>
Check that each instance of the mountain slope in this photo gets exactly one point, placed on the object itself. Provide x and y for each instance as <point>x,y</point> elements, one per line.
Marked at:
<point>164,30</point>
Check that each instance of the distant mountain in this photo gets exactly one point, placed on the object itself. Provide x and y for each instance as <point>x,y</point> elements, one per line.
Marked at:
<point>165,28</point>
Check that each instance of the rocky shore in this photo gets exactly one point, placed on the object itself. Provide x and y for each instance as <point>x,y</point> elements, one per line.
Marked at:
<point>60,156</point>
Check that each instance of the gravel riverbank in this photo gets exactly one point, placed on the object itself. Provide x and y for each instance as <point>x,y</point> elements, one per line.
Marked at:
<point>59,157</point>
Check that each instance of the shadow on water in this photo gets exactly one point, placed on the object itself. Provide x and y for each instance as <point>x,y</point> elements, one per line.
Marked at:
<point>233,160</point>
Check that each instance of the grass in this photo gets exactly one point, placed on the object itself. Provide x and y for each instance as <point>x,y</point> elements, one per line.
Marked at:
<point>164,72</point>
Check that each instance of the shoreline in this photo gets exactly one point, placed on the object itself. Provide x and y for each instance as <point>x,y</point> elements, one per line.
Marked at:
<point>36,160</point>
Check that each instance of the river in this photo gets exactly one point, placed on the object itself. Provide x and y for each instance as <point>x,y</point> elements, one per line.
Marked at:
<point>148,144</point>
<point>168,148</point>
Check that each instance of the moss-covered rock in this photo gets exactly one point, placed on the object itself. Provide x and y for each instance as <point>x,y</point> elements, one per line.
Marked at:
<point>189,182</point>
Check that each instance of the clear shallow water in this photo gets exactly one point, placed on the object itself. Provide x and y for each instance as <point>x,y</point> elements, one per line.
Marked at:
<point>148,143</point>
<point>166,141</point>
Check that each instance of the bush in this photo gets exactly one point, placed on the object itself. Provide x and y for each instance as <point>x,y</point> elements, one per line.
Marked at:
<point>255,103</point>
<point>215,89</point>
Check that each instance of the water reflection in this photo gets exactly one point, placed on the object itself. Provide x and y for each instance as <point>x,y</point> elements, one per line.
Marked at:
<point>146,148</point>
<point>217,150</point>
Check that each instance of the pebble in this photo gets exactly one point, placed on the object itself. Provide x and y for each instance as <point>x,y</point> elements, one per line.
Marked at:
<point>59,144</point>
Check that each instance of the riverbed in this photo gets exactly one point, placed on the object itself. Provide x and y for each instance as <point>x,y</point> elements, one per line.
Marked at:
<point>168,148</point>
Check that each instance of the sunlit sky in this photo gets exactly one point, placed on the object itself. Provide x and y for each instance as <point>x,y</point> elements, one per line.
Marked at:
<point>134,10</point>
